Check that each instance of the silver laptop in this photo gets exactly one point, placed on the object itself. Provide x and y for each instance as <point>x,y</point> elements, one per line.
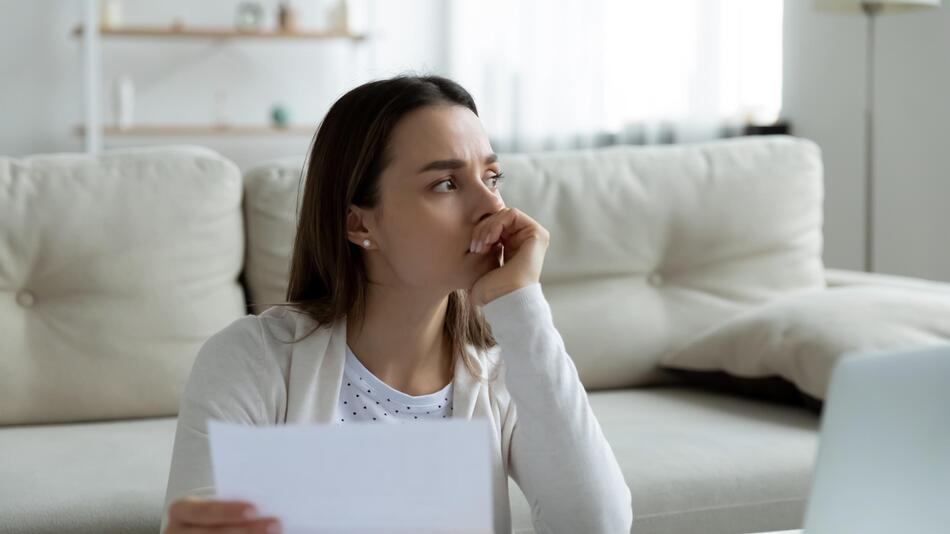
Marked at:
<point>883,462</point>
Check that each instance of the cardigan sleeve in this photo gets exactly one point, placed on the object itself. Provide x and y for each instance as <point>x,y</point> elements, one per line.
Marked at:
<point>559,456</point>
<point>229,381</point>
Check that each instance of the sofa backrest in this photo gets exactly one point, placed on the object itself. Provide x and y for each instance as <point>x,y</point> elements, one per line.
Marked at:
<point>113,271</point>
<point>649,244</point>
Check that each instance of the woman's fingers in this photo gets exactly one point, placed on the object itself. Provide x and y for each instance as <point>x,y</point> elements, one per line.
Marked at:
<point>517,239</point>
<point>516,232</point>
<point>260,526</point>
<point>194,511</point>
<point>520,244</point>
<point>500,225</point>
<point>497,230</point>
<point>195,515</point>
<point>483,230</point>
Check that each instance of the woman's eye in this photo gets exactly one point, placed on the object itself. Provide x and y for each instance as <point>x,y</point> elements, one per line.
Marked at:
<point>496,177</point>
<point>435,187</point>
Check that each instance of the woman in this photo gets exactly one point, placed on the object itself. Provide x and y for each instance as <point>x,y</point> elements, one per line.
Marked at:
<point>412,279</point>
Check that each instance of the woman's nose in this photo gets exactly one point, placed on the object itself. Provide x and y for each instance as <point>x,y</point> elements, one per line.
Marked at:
<point>493,206</point>
<point>494,199</point>
<point>488,201</point>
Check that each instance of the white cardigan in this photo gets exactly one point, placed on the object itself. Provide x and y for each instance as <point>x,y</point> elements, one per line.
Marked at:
<point>546,436</point>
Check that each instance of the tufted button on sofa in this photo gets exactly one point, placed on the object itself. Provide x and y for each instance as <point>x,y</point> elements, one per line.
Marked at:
<point>25,298</point>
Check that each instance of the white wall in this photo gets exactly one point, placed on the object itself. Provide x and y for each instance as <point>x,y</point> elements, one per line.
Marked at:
<point>176,80</point>
<point>824,99</point>
<point>39,76</point>
<point>41,99</point>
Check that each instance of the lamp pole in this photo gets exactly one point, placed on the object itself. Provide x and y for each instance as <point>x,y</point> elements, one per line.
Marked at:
<point>871,9</point>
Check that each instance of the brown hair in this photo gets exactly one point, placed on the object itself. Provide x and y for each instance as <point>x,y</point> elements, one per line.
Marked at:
<point>349,152</point>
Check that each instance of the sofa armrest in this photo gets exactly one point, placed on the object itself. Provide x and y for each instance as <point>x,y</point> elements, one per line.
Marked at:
<point>842,277</point>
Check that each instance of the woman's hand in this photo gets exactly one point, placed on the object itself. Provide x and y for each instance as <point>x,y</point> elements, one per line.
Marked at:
<point>519,243</point>
<point>192,515</point>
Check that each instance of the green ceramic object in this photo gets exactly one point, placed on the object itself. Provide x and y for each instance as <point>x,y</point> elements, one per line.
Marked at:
<point>280,116</point>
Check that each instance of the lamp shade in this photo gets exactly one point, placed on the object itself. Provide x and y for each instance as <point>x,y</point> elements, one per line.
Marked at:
<point>886,5</point>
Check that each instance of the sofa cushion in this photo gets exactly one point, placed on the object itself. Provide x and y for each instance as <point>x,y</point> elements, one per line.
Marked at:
<point>695,462</point>
<point>85,478</point>
<point>649,244</point>
<point>113,271</point>
<point>800,338</point>
<point>272,194</point>
<point>704,463</point>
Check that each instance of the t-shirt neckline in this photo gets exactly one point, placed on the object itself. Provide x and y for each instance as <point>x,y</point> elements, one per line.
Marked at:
<point>356,371</point>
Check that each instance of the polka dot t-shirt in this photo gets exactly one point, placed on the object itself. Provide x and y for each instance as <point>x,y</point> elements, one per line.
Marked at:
<point>363,397</point>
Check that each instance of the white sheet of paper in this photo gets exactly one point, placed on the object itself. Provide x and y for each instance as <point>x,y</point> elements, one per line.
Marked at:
<point>423,477</point>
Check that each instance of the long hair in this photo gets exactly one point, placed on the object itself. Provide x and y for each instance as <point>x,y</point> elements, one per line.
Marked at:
<point>328,275</point>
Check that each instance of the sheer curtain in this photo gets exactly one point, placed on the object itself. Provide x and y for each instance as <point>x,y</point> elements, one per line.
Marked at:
<point>582,73</point>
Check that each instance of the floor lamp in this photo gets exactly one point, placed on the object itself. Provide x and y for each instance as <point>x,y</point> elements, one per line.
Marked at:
<point>871,9</point>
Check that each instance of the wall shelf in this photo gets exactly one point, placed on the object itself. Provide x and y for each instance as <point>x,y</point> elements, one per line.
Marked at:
<point>169,130</point>
<point>91,34</point>
<point>182,32</point>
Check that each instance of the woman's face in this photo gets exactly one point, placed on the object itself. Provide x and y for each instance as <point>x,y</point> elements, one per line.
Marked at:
<point>438,185</point>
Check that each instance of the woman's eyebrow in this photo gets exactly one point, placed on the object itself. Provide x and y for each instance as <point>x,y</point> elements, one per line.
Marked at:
<point>449,164</point>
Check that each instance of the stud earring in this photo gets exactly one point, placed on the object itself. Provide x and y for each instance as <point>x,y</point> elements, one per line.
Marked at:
<point>366,243</point>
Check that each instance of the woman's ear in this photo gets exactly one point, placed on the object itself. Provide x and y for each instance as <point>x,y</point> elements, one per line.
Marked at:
<point>356,227</point>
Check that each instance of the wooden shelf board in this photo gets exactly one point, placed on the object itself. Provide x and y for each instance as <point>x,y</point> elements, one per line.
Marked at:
<point>159,130</point>
<point>219,33</point>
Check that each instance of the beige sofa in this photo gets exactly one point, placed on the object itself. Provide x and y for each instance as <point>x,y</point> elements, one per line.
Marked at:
<point>114,270</point>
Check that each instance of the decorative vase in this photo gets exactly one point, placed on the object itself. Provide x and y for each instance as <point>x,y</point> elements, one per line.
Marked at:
<point>279,115</point>
<point>339,16</point>
<point>124,102</point>
<point>110,13</point>
<point>250,16</point>
<point>286,17</point>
